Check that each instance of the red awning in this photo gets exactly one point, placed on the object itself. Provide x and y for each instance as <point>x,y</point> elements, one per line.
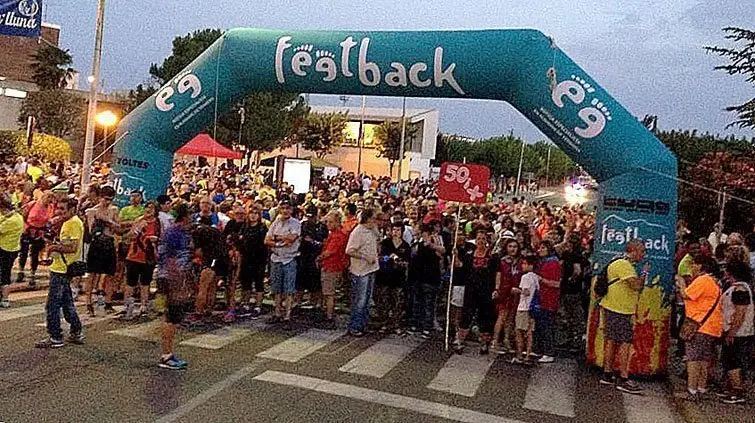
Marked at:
<point>204,145</point>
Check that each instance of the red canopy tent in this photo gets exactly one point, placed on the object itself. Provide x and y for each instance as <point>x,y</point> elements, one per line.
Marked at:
<point>203,145</point>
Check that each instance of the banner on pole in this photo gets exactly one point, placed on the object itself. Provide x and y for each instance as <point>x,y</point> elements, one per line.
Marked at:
<point>463,183</point>
<point>21,18</point>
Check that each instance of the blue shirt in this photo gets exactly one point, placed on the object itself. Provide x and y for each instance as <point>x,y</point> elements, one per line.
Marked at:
<point>175,244</point>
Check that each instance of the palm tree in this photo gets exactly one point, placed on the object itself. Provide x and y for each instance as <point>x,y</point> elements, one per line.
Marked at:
<point>51,68</point>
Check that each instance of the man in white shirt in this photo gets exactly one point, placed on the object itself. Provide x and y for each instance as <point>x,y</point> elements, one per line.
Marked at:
<point>717,237</point>
<point>362,250</point>
<point>283,240</point>
<point>524,322</point>
<point>165,218</point>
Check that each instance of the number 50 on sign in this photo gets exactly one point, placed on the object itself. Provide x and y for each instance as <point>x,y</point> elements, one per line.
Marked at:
<point>463,183</point>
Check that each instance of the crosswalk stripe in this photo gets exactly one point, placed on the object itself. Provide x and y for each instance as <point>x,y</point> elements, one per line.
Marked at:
<point>462,374</point>
<point>218,338</point>
<point>381,357</point>
<point>25,311</point>
<point>27,295</point>
<point>650,407</point>
<point>147,331</point>
<point>86,320</point>
<point>415,405</point>
<point>551,389</point>
<point>300,346</point>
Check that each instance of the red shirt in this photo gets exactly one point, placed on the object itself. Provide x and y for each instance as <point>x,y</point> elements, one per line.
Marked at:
<point>511,274</point>
<point>335,249</point>
<point>550,269</point>
<point>137,252</point>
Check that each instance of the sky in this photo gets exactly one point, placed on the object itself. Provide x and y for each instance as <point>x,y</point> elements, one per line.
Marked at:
<point>648,54</point>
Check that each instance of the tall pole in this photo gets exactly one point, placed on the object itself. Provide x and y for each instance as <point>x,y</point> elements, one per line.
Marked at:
<point>89,142</point>
<point>403,140</point>
<point>721,214</point>
<point>361,135</point>
<point>519,173</point>
<point>548,166</point>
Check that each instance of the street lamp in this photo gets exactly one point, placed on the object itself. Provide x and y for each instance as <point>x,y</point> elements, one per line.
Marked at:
<point>106,119</point>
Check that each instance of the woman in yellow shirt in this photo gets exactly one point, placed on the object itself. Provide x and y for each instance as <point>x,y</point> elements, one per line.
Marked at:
<point>11,228</point>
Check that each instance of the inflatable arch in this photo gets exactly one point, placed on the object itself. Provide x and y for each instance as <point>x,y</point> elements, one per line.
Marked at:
<point>523,67</point>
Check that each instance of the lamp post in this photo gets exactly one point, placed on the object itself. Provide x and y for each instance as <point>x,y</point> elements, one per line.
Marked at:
<point>106,119</point>
<point>89,142</point>
<point>359,138</point>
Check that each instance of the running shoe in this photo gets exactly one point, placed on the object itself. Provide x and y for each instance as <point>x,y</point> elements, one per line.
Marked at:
<point>50,343</point>
<point>484,349</point>
<point>517,360</point>
<point>90,310</point>
<point>608,379</point>
<point>734,399</point>
<point>457,346</point>
<point>76,338</point>
<point>629,386</point>
<point>109,309</point>
<point>355,333</point>
<point>546,359</point>
<point>425,334</point>
<point>229,317</point>
<point>256,313</point>
<point>173,363</point>
<point>5,304</point>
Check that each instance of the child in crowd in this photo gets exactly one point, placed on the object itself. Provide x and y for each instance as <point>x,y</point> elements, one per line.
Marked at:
<point>525,324</point>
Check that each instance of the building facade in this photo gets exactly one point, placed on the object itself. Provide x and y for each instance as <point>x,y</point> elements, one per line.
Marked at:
<point>350,157</point>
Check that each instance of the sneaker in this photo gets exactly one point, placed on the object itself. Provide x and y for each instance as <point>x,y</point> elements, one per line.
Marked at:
<point>484,349</point>
<point>608,379</point>
<point>546,359</point>
<point>733,399</point>
<point>244,311</point>
<point>355,333</point>
<point>383,330</point>
<point>50,343</point>
<point>5,304</point>
<point>398,331</point>
<point>109,309</point>
<point>425,334</point>
<point>629,386</point>
<point>90,310</point>
<point>229,317</point>
<point>20,278</point>
<point>143,310</point>
<point>33,282</point>
<point>256,313</point>
<point>457,346</point>
<point>412,330</point>
<point>724,394</point>
<point>517,360</point>
<point>76,338</point>
<point>172,363</point>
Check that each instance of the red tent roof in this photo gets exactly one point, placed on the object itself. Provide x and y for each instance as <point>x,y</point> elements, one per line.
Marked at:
<point>204,145</point>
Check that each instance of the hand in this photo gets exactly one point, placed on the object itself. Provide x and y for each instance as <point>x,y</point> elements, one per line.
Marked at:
<point>516,290</point>
<point>495,294</point>
<point>646,268</point>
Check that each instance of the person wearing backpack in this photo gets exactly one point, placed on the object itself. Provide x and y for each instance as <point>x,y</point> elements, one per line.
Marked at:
<point>619,305</point>
<point>528,293</point>
<point>703,322</point>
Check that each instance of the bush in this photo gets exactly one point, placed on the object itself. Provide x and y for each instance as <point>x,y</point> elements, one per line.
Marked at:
<point>46,147</point>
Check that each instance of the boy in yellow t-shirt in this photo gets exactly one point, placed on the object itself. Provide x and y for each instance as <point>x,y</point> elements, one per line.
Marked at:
<point>65,252</point>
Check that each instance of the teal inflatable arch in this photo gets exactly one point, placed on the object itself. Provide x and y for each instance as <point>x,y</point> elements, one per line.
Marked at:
<point>523,67</point>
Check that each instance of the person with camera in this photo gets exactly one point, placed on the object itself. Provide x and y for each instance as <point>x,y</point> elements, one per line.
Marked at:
<point>65,253</point>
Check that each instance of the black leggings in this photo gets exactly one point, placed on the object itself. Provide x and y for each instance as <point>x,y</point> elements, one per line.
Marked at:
<point>6,264</point>
<point>36,245</point>
<point>478,301</point>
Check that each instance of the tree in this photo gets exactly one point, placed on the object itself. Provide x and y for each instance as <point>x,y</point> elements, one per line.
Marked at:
<point>452,148</point>
<point>388,135</point>
<point>51,68</point>
<point>741,62</point>
<point>58,112</point>
<point>322,131</point>
<point>270,118</point>
<point>47,147</point>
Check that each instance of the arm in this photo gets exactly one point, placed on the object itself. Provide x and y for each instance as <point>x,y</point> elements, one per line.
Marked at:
<point>497,284</point>
<point>270,240</point>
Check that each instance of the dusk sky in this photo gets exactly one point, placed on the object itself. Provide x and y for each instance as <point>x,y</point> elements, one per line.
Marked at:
<point>647,54</point>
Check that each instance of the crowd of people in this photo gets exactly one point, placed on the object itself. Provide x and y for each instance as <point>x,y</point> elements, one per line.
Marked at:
<point>519,271</point>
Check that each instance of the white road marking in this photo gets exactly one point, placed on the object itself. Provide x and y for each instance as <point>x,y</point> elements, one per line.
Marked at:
<point>383,398</point>
<point>86,320</point>
<point>551,389</point>
<point>380,358</point>
<point>300,346</point>
<point>147,331</point>
<point>652,406</point>
<point>218,338</point>
<point>207,395</point>
<point>462,374</point>
<point>20,312</point>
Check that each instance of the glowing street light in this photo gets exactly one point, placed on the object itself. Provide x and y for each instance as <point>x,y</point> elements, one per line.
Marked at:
<point>106,118</point>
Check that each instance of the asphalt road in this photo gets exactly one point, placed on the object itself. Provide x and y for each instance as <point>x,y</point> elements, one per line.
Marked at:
<point>253,371</point>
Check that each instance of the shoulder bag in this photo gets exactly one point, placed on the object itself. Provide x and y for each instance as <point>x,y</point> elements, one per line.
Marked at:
<point>690,327</point>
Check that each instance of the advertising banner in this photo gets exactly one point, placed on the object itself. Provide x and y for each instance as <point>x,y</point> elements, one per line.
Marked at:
<point>21,18</point>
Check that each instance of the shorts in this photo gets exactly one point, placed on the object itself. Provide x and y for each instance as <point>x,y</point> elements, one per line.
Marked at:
<point>123,248</point>
<point>701,347</point>
<point>138,273</point>
<point>101,257</point>
<point>283,278</point>
<point>618,327</point>
<point>252,277</point>
<point>738,354</point>
<point>524,321</point>
<point>329,282</point>
<point>457,296</point>
<point>6,265</point>
<point>175,311</point>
